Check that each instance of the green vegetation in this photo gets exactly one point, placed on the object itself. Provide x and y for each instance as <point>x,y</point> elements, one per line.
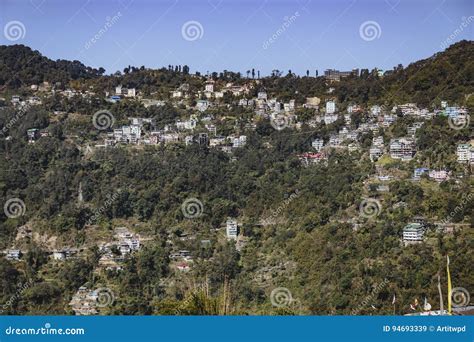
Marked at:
<point>318,247</point>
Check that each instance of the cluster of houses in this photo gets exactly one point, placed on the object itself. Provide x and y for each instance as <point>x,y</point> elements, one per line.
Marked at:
<point>84,302</point>
<point>114,252</point>
<point>202,128</point>
<point>183,260</point>
<point>436,175</point>
<point>62,254</point>
<point>348,137</point>
<point>181,132</point>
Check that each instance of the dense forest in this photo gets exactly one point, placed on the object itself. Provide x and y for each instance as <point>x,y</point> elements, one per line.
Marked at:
<point>317,246</point>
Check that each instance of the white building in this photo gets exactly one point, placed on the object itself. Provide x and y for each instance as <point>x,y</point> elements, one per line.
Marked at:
<point>420,171</point>
<point>413,233</point>
<point>131,92</point>
<point>403,148</point>
<point>216,141</point>
<point>438,175</point>
<point>176,94</point>
<point>375,110</point>
<point>330,107</point>
<point>59,255</point>
<point>335,141</point>
<point>209,87</point>
<point>128,134</point>
<point>378,141</point>
<point>317,144</point>
<point>13,254</point>
<point>202,105</point>
<point>239,141</point>
<point>188,140</point>
<point>329,119</point>
<point>231,229</point>
<point>465,153</point>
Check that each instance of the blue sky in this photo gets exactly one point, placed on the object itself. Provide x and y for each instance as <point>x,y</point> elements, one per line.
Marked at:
<point>235,35</point>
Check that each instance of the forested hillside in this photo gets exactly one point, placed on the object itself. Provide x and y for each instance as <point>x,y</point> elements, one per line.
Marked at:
<point>300,226</point>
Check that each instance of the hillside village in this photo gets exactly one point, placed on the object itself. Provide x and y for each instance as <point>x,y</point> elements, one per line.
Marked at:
<point>222,117</point>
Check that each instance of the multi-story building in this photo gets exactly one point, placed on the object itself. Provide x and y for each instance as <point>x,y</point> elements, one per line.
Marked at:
<point>411,130</point>
<point>402,148</point>
<point>186,125</point>
<point>239,141</point>
<point>465,153</point>
<point>329,119</point>
<point>203,139</point>
<point>211,128</point>
<point>375,110</point>
<point>330,107</point>
<point>438,175</point>
<point>317,144</point>
<point>335,141</point>
<point>202,105</point>
<point>413,233</point>
<point>336,75</point>
<point>312,158</point>
<point>232,229</point>
<point>209,87</point>
<point>188,140</point>
<point>33,134</point>
<point>13,254</point>
<point>377,141</point>
<point>216,141</point>
<point>127,92</point>
<point>128,134</point>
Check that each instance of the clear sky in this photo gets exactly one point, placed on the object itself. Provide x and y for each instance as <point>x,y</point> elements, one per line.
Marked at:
<point>213,35</point>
